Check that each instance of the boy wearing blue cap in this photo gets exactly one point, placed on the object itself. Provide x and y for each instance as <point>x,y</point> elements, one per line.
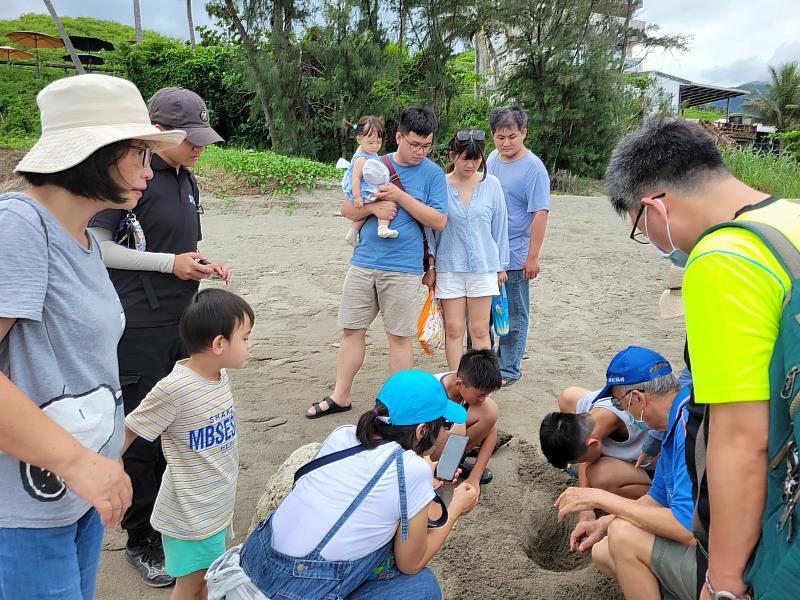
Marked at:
<point>650,547</point>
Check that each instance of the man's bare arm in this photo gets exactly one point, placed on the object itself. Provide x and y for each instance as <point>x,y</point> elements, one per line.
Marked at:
<point>736,462</point>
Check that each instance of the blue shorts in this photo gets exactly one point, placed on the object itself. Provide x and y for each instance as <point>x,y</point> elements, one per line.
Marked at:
<point>182,557</point>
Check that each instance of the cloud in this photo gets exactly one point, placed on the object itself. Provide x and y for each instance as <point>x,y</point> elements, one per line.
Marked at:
<point>753,68</point>
<point>729,45</point>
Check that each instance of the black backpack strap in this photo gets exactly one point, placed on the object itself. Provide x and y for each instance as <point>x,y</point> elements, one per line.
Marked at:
<point>328,459</point>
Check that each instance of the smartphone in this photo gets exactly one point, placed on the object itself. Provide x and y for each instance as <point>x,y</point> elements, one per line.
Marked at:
<point>451,456</point>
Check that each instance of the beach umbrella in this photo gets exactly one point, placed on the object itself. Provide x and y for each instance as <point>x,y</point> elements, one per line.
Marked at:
<point>34,39</point>
<point>90,44</point>
<point>10,53</point>
<point>87,59</point>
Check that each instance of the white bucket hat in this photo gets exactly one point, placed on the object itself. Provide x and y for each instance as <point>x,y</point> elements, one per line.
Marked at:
<point>83,113</point>
<point>671,301</point>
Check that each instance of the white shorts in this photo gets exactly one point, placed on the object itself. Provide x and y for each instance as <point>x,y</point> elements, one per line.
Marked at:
<point>470,285</point>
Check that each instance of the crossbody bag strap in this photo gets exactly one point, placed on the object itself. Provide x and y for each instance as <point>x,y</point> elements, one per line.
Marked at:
<point>328,459</point>
<point>395,179</point>
<point>393,176</point>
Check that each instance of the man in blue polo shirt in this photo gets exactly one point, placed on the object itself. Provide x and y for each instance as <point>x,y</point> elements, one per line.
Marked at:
<point>384,273</point>
<point>646,544</point>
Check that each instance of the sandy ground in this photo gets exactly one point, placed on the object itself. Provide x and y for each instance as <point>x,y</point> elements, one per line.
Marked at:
<point>597,293</point>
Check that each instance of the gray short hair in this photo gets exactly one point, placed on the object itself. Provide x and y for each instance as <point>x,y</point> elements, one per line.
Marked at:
<point>665,153</point>
<point>659,386</point>
<point>508,117</point>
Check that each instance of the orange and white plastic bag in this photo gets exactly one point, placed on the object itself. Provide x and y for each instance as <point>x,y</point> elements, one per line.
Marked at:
<point>430,325</point>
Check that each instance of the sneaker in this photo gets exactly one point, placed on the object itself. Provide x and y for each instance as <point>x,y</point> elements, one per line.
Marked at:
<point>148,559</point>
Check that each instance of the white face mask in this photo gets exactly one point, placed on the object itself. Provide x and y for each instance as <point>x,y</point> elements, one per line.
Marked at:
<point>676,256</point>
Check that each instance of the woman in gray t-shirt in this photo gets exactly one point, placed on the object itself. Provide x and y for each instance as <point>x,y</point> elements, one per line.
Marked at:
<point>60,322</point>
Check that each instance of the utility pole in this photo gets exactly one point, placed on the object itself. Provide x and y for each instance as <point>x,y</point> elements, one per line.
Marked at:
<point>65,38</point>
<point>137,21</point>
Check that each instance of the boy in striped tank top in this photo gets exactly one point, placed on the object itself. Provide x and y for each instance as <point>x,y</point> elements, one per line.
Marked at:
<point>192,410</point>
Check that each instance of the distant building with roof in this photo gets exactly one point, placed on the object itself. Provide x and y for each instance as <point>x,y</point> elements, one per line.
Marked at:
<point>673,94</point>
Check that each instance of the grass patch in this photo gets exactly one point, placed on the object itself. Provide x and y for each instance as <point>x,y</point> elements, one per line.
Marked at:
<point>778,175</point>
<point>237,170</point>
<point>699,113</point>
<point>17,142</point>
<point>568,184</point>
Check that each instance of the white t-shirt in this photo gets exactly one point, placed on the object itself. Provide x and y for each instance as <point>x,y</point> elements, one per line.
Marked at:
<point>321,497</point>
<point>628,450</point>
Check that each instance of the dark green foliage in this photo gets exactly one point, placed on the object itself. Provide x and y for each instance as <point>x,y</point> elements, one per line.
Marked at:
<point>282,74</point>
<point>566,80</point>
<point>213,72</point>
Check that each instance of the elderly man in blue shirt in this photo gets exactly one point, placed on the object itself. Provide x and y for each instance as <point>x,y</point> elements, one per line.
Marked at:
<point>649,547</point>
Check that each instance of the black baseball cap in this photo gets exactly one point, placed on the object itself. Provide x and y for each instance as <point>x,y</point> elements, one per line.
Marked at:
<point>180,108</point>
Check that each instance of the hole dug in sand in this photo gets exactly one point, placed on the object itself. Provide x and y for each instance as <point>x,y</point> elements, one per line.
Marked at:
<point>546,542</point>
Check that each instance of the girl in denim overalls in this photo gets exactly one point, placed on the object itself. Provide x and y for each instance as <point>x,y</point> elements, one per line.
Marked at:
<point>357,528</point>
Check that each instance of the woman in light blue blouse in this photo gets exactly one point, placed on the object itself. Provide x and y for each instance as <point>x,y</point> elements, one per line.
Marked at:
<point>471,254</point>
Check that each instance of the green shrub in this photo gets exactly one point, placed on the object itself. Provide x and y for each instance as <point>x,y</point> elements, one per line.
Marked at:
<point>264,170</point>
<point>790,142</point>
<point>778,175</point>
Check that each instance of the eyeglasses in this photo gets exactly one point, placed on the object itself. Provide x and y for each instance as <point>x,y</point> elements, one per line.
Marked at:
<point>416,146</point>
<point>448,425</point>
<point>640,237</point>
<point>476,134</point>
<point>617,402</point>
<point>145,152</point>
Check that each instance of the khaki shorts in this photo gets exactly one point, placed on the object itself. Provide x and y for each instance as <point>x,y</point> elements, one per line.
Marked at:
<point>369,291</point>
<point>675,566</point>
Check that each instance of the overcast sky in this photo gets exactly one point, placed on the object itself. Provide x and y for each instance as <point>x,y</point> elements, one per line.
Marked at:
<point>733,41</point>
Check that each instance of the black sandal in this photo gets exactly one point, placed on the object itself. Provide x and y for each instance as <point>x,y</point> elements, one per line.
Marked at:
<point>332,408</point>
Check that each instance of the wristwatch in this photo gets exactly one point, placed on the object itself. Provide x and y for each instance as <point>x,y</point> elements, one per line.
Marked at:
<point>723,595</point>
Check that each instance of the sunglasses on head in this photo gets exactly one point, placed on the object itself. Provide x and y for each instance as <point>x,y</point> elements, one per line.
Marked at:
<point>476,134</point>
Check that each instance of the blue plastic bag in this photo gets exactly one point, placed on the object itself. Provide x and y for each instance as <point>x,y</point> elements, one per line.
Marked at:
<point>500,312</point>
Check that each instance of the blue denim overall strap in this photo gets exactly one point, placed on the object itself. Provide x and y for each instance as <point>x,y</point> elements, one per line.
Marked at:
<point>396,456</point>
